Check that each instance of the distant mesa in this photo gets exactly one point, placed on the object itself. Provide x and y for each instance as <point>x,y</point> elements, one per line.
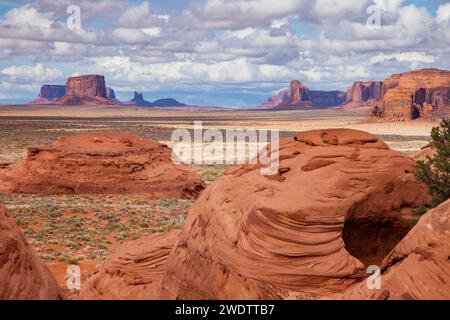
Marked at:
<point>49,93</point>
<point>92,90</point>
<point>298,96</point>
<point>328,98</point>
<point>139,101</point>
<point>364,92</point>
<point>168,102</point>
<point>421,94</point>
<point>110,94</point>
<point>52,91</point>
<point>87,89</point>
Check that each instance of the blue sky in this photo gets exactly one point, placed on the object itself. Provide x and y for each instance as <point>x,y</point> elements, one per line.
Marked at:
<point>217,52</point>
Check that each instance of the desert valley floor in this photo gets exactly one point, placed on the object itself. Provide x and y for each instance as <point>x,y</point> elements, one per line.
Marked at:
<point>86,229</point>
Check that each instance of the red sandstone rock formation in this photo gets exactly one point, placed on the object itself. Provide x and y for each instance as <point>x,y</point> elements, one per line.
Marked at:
<point>417,94</point>
<point>424,153</point>
<point>300,97</point>
<point>87,89</point>
<point>298,93</point>
<point>101,163</point>
<point>22,274</point>
<point>418,267</point>
<point>134,271</point>
<point>89,85</point>
<point>341,201</point>
<point>361,92</point>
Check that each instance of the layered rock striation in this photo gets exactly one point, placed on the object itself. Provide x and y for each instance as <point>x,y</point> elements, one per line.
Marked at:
<point>86,89</point>
<point>361,92</point>
<point>101,163</point>
<point>340,202</point>
<point>299,96</point>
<point>134,271</point>
<point>423,94</point>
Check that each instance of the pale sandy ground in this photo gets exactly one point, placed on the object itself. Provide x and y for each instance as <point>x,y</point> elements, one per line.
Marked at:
<point>402,136</point>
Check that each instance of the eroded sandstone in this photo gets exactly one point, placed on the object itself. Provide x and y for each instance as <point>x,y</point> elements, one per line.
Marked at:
<point>101,163</point>
<point>418,268</point>
<point>293,235</point>
<point>23,276</point>
<point>134,271</point>
<point>423,94</point>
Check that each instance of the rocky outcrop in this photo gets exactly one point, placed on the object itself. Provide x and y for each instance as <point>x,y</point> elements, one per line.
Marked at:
<point>298,93</point>
<point>139,101</point>
<point>22,274</point>
<point>167,102</point>
<point>362,92</point>
<point>417,94</point>
<point>418,267</point>
<point>327,98</point>
<point>88,85</point>
<point>49,93</point>
<point>101,163</point>
<point>86,89</point>
<point>275,100</point>
<point>52,92</point>
<point>424,153</point>
<point>300,97</point>
<point>110,94</point>
<point>134,271</point>
<point>341,201</point>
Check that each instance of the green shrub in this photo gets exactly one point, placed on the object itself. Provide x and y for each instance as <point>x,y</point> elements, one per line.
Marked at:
<point>435,171</point>
<point>420,210</point>
<point>72,261</point>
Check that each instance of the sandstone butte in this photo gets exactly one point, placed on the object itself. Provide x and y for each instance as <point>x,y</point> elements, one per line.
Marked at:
<point>340,202</point>
<point>49,93</point>
<point>86,89</point>
<point>101,163</point>
<point>22,274</point>
<point>360,93</point>
<point>417,94</point>
<point>298,96</point>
